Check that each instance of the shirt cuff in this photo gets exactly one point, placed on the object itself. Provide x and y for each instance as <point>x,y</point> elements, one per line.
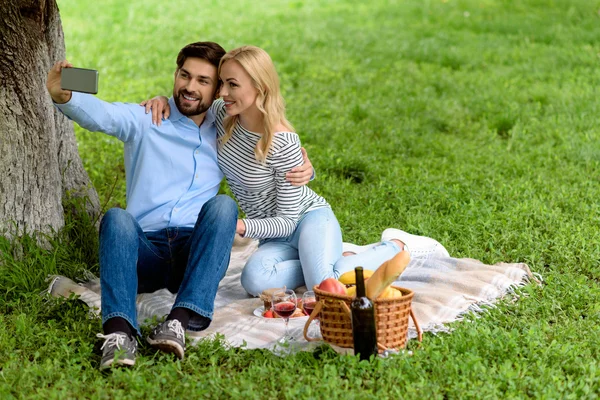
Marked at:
<point>73,103</point>
<point>250,228</point>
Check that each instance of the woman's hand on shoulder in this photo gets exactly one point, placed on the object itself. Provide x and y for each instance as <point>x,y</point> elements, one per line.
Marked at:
<point>159,106</point>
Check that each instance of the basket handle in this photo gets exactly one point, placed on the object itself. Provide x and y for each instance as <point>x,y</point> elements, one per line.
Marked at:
<point>312,316</point>
<point>346,309</point>
<point>419,330</point>
<point>381,347</point>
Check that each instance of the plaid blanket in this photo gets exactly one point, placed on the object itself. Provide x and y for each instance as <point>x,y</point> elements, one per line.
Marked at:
<point>445,289</point>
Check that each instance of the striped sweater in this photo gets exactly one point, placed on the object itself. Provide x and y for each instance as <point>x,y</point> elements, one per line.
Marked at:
<point>271,204</point>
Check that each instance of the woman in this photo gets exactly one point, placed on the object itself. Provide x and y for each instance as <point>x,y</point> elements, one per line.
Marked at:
<point>299,236</point>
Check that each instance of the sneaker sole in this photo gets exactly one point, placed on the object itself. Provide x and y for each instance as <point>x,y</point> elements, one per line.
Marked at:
<point>168,346</point>
<point>118,363</point>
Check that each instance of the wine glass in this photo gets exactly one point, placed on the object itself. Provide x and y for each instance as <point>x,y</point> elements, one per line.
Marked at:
<point>284,304</point>
<point>309,301</point>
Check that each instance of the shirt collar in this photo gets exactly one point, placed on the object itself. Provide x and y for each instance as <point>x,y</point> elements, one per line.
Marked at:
<point>176,115</point>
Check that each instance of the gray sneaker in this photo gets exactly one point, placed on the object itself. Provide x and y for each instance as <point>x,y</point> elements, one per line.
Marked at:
<point>118,348</point>
<point>169,337</point>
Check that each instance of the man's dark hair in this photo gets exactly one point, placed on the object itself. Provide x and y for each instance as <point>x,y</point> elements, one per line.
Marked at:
<point>209,51</point>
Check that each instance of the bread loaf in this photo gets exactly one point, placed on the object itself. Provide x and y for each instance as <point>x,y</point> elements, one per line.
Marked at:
<point>386,274</point>
<point>267,295</point>
<point>390,293</point>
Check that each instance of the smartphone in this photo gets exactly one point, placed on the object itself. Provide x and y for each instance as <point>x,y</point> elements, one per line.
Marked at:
<point>79,80</point>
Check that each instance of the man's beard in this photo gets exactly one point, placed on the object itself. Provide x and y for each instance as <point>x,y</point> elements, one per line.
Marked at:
<point>187,110</point>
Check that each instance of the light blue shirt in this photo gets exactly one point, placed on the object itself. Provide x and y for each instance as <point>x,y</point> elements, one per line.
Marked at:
<point>171,170</point>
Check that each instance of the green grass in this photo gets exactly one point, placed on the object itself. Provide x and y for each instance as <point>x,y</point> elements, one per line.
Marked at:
<point>471,121</point>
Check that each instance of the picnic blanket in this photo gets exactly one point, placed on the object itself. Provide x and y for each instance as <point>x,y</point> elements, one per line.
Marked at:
<point>445,289</point>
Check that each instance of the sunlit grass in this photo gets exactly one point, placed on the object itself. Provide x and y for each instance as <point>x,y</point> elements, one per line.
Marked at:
<point>471,121</point>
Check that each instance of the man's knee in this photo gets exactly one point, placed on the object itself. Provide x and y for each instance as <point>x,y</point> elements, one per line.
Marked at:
<point>119,220</point>
<point>221,207</point>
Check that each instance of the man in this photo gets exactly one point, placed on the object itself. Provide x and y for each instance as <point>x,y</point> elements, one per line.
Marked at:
<point>176,232</point>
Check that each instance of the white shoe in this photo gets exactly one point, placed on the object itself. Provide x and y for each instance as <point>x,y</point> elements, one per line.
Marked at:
<point>417,246</point>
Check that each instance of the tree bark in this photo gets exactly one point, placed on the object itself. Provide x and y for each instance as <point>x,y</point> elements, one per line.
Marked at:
<point>39,162</point>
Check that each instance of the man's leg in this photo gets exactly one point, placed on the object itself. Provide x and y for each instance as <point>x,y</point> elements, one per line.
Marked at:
<point>122,245</point>
<point>119,243</point>
<point>208,250</point>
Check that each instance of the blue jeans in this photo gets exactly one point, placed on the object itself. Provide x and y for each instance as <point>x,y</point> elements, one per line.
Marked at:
<point>370,259</point>
<point>188,261</point>
<point>306,257</point>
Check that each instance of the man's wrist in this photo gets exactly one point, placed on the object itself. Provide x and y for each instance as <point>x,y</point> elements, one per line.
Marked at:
<point>62,99</point>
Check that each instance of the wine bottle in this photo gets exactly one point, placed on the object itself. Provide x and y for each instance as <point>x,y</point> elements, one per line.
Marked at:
<point>363,320</point>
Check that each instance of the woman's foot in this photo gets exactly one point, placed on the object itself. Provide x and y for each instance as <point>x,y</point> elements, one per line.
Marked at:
<point>417,246</point>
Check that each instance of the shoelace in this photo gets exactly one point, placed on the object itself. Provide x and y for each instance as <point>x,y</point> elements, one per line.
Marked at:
<point>175,326</point>
<point>113,339</point>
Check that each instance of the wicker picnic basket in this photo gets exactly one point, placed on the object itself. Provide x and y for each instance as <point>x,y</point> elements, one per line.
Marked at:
<point>391,319</point>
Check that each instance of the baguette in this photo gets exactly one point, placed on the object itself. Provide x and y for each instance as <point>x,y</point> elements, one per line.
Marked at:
<point>386,274</point>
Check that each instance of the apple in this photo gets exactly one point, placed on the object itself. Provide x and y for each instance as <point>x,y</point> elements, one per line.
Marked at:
<point>332,285</point>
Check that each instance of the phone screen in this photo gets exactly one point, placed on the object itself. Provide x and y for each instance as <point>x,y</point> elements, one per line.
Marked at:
<point>79,80</point>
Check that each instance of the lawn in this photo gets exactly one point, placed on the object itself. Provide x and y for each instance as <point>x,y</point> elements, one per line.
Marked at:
<point>471,121</point>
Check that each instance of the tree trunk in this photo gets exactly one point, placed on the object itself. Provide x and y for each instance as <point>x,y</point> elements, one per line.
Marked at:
<point>39,162</point>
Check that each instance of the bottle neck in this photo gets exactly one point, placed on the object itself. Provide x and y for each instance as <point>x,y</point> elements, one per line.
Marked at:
<point>360,282</point>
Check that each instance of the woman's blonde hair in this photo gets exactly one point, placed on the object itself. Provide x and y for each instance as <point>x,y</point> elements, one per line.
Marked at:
<point>258,64</point>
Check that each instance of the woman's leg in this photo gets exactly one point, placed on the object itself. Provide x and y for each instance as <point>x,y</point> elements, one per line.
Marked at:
<point>422,247</point>
<point>370,259</point>
<point>351,248</point>
<point>275,264</point>
<point>393,241</point>
<point>319,240</point>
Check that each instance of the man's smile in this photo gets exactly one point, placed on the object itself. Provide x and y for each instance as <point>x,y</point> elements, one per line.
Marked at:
<point>189,98</point>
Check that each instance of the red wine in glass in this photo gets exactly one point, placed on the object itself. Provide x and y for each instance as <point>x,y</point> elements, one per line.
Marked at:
<point>309,302</point>
<point>309,307</point>
<point>284,309</point>
<point>284,304</point>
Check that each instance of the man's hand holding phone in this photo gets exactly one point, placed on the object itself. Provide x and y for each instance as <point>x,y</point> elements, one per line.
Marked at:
<point>63,79</point>
<point>57,93</point>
